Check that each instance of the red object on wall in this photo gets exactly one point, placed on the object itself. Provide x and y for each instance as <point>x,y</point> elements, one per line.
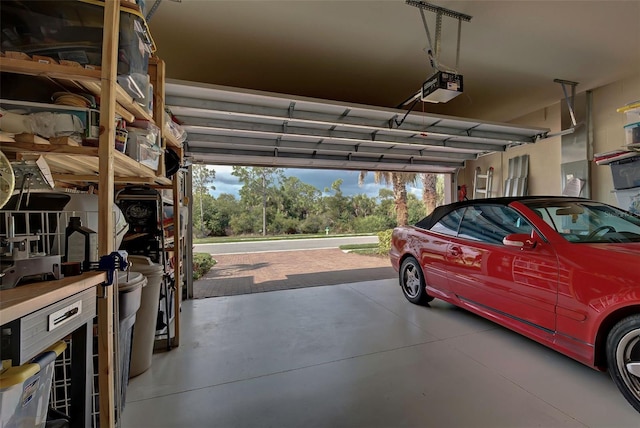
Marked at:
<point>462,193</point>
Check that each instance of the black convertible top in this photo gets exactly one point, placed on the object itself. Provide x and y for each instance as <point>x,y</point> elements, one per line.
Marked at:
<point>441,211</point>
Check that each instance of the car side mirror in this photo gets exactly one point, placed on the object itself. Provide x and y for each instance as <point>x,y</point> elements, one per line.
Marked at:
<point>523,240</point>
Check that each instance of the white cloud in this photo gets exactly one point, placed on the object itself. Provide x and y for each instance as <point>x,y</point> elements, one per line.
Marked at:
<point>225,182</point>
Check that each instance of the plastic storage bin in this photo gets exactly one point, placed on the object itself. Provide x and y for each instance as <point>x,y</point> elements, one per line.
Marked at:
<point>626,173</point>
<point>145,332</point>
<point>632,133</point>
<point>24,390</point>
<point>632,115</point>
<point>72,31</point>
<point>141,146</point>
<point>629,199</point>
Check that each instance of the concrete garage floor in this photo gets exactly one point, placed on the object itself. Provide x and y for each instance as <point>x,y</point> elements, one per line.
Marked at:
<point>360,355</point>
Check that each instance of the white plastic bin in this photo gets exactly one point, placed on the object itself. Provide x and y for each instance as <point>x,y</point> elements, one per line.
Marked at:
<point>24,390</point>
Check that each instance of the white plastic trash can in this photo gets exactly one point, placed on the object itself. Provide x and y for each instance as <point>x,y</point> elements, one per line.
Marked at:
<point>130,286</point>
<point>144,332</point>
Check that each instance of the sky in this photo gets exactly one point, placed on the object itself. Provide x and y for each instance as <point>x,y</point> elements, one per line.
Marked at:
<point>320,179</point>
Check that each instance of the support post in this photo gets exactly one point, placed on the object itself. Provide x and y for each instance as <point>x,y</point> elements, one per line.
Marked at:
<point>106,148</point>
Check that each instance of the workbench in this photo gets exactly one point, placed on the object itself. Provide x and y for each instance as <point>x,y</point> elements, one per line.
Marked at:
<point>42,313</point>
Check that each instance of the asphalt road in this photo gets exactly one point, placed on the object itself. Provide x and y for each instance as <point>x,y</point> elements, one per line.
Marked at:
<point>282,245</point>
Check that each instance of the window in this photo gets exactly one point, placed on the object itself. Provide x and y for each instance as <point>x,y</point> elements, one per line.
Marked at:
<point>448,224</point>
<point>491,223</point>
<point>589,221</point>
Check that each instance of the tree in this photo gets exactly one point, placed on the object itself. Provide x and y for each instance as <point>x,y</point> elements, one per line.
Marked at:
<point>224,208</point>
<point>386,206</point>
<point>399,181</point>
<point>415,208</point>
<point>258,185</point>
<point>363,205</point>
<point>338,207</point>
<point>202,176</point>
<point>297,199</point>
<point>429,191</point>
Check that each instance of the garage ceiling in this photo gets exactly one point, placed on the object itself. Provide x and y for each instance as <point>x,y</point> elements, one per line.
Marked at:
<point>371,53</point>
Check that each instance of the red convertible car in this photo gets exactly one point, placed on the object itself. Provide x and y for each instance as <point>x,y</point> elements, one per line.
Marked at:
<point>562,271</point>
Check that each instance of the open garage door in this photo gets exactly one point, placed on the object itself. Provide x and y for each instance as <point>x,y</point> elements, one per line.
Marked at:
<point>230,126</point>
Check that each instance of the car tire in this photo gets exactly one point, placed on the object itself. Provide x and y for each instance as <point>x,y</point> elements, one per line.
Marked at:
<point>412,282</point>
<point>623,358</point>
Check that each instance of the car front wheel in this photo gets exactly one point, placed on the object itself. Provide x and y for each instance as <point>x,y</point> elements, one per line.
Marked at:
<point>623,358</point>
<point>412,282</point>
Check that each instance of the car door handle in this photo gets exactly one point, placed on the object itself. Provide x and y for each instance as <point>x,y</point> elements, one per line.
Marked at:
<point>455,251</point>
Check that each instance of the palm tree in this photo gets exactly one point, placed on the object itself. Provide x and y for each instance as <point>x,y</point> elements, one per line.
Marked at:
<point>399,181</point>
<point>429,191</point>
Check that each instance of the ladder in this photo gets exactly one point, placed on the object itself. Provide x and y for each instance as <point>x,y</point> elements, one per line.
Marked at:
<point>482,183</point>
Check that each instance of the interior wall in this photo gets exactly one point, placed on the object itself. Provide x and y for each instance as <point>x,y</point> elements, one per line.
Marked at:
<point>544,156</point>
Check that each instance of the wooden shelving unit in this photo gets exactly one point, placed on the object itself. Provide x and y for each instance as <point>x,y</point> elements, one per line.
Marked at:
<point>105,167</point>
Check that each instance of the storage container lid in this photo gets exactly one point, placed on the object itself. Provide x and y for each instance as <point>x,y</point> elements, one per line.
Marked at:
<point>136,279</point>
<point>145,265</point>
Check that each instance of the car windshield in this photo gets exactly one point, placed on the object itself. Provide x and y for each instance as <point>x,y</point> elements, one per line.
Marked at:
<point>588,222</point>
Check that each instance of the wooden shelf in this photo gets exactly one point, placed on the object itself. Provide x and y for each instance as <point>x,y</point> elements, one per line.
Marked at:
<point>53,71</point>
<point>86,78</point>
<point>172,141</point>
<point>81,164</point>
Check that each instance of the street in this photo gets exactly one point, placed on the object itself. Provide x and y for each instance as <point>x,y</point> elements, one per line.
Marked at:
<point>281,245</point>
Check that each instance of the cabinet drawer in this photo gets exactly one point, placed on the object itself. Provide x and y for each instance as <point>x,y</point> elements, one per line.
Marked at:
<point>41,328</point>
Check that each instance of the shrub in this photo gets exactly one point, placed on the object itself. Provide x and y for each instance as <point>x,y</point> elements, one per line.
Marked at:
<point>313,224</point>
<point>202,263</point>
<point>371,224</point>
<point>281,224</point>
<point>384,241</point>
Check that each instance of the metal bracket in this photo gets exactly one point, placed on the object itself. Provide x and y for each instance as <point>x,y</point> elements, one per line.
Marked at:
<point>570,101</point>
<point>154,8</point>
<point>434,51</point>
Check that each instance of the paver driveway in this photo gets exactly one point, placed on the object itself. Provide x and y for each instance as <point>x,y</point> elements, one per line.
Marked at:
<point>258,272</point>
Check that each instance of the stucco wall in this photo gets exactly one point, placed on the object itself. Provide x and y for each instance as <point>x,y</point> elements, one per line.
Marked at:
<point>544,156</point>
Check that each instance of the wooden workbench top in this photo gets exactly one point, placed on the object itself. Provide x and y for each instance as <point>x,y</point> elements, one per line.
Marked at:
<point>25,299</point>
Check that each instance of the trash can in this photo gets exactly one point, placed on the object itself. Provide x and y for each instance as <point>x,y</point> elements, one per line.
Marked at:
<point>130,286</point>
<point>145,332</point>
<point>24,390</point>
